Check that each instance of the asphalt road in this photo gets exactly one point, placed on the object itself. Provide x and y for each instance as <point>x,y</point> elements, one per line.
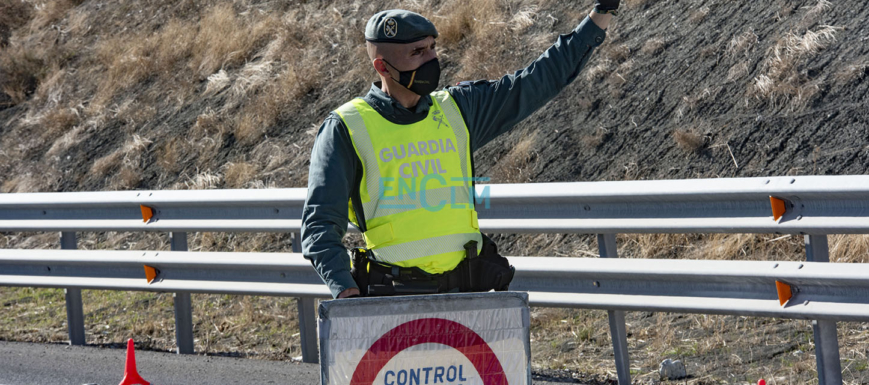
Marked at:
<point>53,364</point>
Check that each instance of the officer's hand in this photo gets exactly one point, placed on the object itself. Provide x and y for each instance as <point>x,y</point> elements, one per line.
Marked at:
<point>607,5</point>
<point>349,292</point>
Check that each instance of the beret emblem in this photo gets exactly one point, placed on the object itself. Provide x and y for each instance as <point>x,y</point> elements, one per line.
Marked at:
<point>390,28</point>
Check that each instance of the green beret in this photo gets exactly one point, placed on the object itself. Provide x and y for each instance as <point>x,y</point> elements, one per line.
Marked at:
<point>398,26</point>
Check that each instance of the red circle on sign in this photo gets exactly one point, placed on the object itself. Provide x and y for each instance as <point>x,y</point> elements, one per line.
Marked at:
<point>430,331</point>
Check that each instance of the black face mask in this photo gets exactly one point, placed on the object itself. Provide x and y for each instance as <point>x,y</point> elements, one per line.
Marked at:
<point>423,80</point>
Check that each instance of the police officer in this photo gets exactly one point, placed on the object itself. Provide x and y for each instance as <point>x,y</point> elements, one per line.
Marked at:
<point>397,162</point>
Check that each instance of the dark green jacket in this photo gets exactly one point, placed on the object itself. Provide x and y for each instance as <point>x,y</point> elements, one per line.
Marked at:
<point>490,108</point>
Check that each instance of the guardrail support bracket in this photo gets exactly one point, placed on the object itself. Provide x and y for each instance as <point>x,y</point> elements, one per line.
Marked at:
<point>607,247</point>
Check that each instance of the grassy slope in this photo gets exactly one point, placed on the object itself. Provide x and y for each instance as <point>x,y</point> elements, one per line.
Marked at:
<point>205,94</point>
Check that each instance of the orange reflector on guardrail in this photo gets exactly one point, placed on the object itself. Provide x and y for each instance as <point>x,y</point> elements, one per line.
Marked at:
<point>150,273</point>
<point>778,207</point>
<point>147,213</point>
<point>784,292</point>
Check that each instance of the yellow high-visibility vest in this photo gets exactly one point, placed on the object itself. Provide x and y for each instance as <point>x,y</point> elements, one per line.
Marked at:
<point>416,190</point>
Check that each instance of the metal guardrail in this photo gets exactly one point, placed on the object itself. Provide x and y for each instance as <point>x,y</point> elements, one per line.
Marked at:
<point>816,206</point>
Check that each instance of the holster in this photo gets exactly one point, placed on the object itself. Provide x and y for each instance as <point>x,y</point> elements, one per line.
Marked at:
<point>483,272</point>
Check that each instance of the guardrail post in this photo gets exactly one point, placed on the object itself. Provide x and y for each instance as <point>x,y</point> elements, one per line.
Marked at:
<point>826,340</point>
<point>606,244</point>
<point>307,317</point>
<point>74,312</point>
<point>183,307</point>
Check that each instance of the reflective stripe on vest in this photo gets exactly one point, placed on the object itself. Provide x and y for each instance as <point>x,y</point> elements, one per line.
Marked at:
<point>416,186</point>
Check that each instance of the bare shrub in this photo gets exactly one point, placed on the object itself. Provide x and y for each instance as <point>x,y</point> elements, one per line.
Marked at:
<point>689,140</point>
<point>653,46</point>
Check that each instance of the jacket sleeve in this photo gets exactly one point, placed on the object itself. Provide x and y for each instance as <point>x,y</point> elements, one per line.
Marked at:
<point>324,219</point>
<point>493,107</point>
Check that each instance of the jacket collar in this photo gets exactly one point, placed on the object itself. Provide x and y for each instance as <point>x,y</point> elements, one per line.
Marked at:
<point>392,110</point>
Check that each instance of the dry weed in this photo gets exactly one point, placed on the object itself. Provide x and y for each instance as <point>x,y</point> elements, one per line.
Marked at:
<point>13,15</point>
<point>617,53</point>
<point>697,16</point>
<point>20,71</point>
<point>50,12</point>
<point>103,166</point>
<point>67,141</point>
<point>132,58</point>
<point>512,168</point>
<point>225,39</point>
<point>59,121</point>
<point>205,180</point>
<point>654,46</point>
<point>239,174</point>
<point>689,140</point>
<point>738,71</point>
<point>600,70</point>
<point>817,9</point>
<point>21,184</point>
<point>599,137</point>
<point>742,44</point>
<point>781,82</point>
<point>852,73</point>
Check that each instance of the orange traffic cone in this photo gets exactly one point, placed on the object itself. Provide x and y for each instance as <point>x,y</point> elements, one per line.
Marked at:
<point>131,376</point>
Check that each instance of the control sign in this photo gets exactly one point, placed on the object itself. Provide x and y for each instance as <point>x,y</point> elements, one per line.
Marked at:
<point>449,339</point>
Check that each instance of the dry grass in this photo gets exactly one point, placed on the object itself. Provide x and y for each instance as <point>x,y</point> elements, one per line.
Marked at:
<point>697,16</point>
<point>132,58</point>
<point>597,139</point>
<point>741,45</point>
<point>851,73</point>
<point>654,46</point>
<point>635,4</point>
<point>514,166</point>
<point>237,175</point>
<point>782,84</point>
<point>689,140</point>
<point>226,40</point>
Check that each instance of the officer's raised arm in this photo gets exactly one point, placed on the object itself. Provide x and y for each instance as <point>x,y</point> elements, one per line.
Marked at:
<point>493,107</point>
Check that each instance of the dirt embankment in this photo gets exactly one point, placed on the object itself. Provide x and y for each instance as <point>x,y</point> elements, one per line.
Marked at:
<point>205,94</point>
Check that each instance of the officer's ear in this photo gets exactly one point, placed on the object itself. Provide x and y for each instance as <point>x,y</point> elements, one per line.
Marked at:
<point>380,67</point>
